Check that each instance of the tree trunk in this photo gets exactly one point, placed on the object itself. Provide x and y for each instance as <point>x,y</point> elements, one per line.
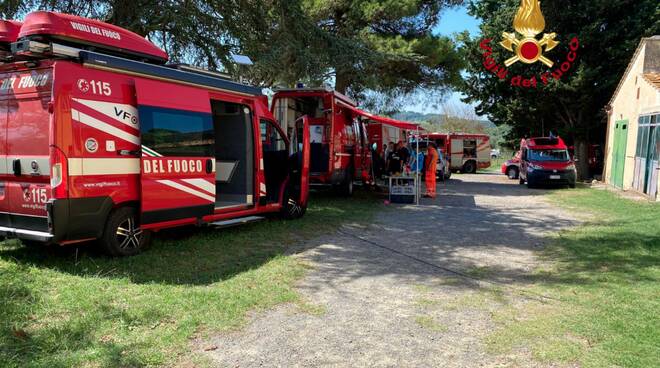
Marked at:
<point>582,158</point>
<point>342,81</point>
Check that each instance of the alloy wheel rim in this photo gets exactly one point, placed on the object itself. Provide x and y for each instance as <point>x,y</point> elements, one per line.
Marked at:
<point>129,234</point>
<point>294,208</point>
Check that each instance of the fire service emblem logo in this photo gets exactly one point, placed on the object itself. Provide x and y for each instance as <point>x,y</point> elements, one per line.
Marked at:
<point>529,49</point>
<point>529,22</point>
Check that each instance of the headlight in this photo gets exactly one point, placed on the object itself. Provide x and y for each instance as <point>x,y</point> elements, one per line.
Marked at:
<point>571,167</point>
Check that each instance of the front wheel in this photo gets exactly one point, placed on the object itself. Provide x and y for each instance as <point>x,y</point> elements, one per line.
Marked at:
<point>291,209</point>
<point>123,235</point>
<point>512,173</point>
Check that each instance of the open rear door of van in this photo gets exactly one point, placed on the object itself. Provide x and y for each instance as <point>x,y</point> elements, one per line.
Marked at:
<point>25,97</point>
<point>302,147</point>
<point>178,152</point>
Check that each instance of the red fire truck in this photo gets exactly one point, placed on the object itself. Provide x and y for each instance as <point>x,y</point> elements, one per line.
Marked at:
<point>340,154</point>
<point>113,144</point>
<point>465,152</point>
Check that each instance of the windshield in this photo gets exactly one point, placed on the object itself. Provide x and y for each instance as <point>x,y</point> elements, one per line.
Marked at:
<point>549,155</point>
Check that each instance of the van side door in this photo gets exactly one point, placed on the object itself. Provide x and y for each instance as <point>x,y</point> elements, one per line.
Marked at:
<point>300,157</point>
<point>178,152</point>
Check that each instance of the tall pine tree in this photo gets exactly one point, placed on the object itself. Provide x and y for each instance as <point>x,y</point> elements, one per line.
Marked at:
<point>574,107</point>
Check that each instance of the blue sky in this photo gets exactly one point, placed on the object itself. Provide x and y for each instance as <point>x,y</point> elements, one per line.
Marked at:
<point>451,21</point>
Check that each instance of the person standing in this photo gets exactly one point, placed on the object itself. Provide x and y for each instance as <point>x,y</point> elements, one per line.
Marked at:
<point>387,153</point>
<point>417,162</point>
<point>431,166</point>
<point>404,155</point>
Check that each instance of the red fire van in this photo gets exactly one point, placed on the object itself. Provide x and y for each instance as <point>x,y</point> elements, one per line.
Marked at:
<point>465,152</point>
<point>340,154</point>
<point>112,144</point>
<point>545,161</point>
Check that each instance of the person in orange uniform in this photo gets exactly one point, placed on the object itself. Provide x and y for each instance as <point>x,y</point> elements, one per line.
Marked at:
<point>431,166</point>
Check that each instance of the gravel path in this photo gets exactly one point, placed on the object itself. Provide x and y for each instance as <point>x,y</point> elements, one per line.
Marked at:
<point>402,291</point>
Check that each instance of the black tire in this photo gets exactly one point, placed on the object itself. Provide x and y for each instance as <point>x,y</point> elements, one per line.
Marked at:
<point>572,185</point>
<point>346,188</point>
<point>512,172</point>
<point>122,236</point>
<point>291,209</point>
<point>470,167</point>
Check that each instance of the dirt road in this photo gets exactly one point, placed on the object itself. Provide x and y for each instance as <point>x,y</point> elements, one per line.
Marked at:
<point>413,289</point>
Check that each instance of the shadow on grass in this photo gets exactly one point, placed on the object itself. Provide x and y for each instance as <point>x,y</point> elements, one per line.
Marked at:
<point>201,256</point>
<point>20,296</point>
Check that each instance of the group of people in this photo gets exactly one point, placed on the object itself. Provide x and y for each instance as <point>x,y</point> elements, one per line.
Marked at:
<point>398,159</point>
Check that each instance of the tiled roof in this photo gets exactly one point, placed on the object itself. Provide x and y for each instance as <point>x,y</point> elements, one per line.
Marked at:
<point>653,78</point>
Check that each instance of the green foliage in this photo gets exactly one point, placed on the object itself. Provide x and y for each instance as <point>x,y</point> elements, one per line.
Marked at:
<point>400,54</point>
<point>609,32</point>
<point>377,45</point>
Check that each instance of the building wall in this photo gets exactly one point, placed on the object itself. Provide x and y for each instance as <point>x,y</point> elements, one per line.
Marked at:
<point>626,106</point>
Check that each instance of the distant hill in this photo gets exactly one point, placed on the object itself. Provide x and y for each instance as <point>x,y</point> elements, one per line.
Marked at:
<point>417,117</point>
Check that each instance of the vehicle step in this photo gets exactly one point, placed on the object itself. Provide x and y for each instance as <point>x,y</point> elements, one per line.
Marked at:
<point>237,221</point>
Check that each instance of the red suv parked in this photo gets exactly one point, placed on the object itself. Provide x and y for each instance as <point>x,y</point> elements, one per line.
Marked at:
<point>511,168</point>
<point>546,161</point>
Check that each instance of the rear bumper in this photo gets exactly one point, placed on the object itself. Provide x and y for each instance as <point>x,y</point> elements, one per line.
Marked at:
<point>35,235</point>
<point>68,220</point>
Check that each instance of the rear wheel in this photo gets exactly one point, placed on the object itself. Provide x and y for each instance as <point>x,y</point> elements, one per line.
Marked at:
<point>122,235</point>
<point>470,167</point>
<point>346,187</point>
<point>512,172</point>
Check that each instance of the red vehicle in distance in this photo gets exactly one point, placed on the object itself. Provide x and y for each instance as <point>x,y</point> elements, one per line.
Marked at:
<point>339,149</point>
<point>546,161</point>
<point>511,168</point>
<point>342,136</point>
<point>113,144</point>
<point>465,152</point>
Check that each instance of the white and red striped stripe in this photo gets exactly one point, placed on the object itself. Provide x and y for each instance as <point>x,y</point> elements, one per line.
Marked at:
<point>198,187</point>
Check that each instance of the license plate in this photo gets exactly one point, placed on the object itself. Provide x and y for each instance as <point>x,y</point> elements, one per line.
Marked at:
<point>555,177</point>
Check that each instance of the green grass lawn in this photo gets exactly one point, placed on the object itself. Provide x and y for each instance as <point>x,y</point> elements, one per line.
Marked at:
<point>62,307</point>
<point>496,164</point>
<point>606,275</point>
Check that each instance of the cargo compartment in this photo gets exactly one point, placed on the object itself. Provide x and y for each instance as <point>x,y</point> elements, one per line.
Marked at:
<point>24,151</point>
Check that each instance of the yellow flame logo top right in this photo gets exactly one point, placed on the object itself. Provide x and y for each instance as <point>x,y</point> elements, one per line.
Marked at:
<point>529,22</point>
